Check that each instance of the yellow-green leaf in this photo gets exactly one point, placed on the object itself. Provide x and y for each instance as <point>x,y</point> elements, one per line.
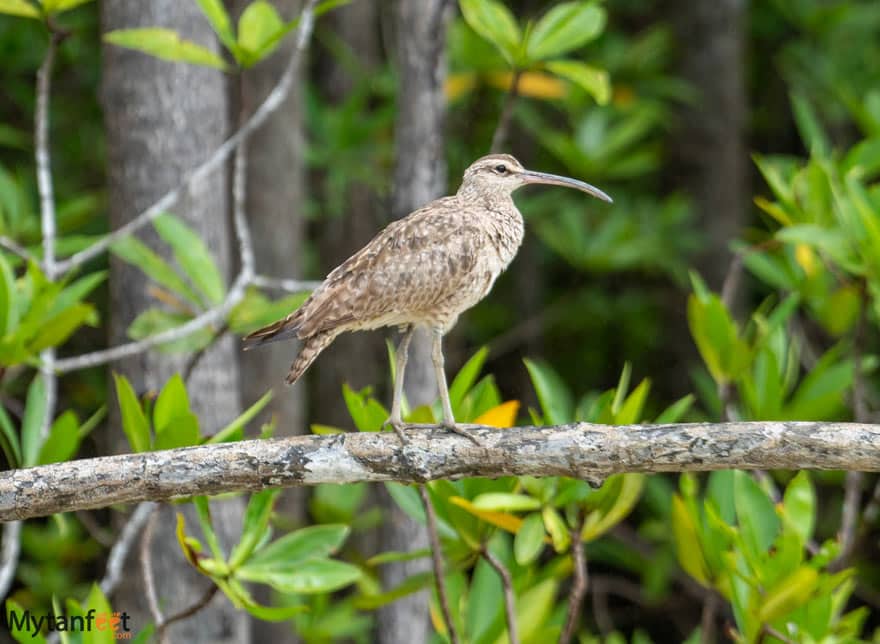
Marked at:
<point>165,44</point>
<point>509,522</point>
<point>565,27</point>
<point>19,8</point>
<point>494,22</point>
<point>591,79</point>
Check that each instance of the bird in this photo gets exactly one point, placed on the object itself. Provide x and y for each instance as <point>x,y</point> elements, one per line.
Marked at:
<point>424,269</point>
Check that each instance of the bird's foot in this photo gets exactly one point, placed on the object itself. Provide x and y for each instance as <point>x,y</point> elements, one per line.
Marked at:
<point>461,431</point>
<point>398,426</point>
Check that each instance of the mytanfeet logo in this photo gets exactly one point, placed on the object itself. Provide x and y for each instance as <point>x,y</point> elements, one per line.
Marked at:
<point>25,621</point>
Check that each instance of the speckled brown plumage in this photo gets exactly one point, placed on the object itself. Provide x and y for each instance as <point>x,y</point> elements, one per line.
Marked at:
<point>425,269</point>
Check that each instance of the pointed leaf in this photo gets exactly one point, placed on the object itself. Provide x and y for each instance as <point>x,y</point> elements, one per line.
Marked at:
<point>312,576</point>
<point>591,79</point>
<point>165,44</point>
<point>506,502</point>
<point>494,22</point>
<point>193,256</point>
<point>134,422</point>
<point>34,415</point>
<point>312,542</point>
<point>236,427</point>
<point>258,25</point>
<point>153,266</point>
<point>755,514</point>
<point>63,440</point>
<point>504,415</point>
<point>466,377</point>
<point>19,8</point>
<point>216,14</point>
<point>565,27</point>
<point>529,540</point>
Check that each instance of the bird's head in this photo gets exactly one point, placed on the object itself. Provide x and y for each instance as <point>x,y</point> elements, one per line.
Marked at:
<point>501,174</point>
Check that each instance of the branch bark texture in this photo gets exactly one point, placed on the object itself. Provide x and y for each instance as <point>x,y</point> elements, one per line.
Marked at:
<point>581,450</point>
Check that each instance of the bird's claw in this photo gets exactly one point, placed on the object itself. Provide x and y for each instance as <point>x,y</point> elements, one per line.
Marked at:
<point>398,426</point>
<point>461,431</point>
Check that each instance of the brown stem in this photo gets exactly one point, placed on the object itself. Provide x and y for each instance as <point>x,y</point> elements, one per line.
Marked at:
<point>507,585</point>
<point>707,621</point>
<point>579,587</point>
<point>772,632</point>
<point>501,130</point>
<point>437,562</point>
<point>203,601</point>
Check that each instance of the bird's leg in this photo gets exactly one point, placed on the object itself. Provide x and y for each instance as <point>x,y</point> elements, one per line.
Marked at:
<point>394,420</point>
<point>448,418</point>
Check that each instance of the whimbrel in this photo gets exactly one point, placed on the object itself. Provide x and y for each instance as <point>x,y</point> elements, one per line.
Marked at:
<point>424,269</point>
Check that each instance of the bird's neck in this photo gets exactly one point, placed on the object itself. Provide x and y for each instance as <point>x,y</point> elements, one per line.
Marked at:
<point>484,196</point>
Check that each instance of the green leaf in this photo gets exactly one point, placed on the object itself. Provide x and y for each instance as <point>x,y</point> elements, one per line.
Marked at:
<point>565,27</point>
<point>34,415</point>
<point>134,422</point>
<point>96,600</point>
<point>59,6</point>
<point>552,393</point>
<point>494,22</point>
<point>312,542</point>
<point>811,131</point>
<point>59,328</point>
<point>172,402</point>
<point>529,540</point>
<point>788,593</point>
<point>687,542</point>
<point>20,8</point>
<point>755,514</point>
<point>7,297</point>
<point>591,79</point>
<point>157,269</point>
<point>466,377</point>
<point>676,410</point>
<point>556,527</point>
<point>799,506</point>
<point>407,499</point>
<point>9,440</point>
<point>63,441</point>
<point>21,635</point>
<point>216,14</point>
<point>408,586</point>
<point>236,427</point>
<point>506,502</point>
<point>533,609</point>
<point>256,522</point>
<point>165,44</point>
<point>257,27</point>
<point>621,504</point>
<point>312,576</point>
<point>173,421</point>
<point>203,511</point>
<point>193,256</point>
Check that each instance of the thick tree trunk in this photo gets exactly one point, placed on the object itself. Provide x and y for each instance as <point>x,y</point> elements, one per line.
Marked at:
<point>276,200</point>
<point>161,120</point>
<point>419,177</point>
<point>710,140</point>
<point>358,359</point>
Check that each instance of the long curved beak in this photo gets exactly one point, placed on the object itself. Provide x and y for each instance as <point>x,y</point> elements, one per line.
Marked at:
<point>529,176</point>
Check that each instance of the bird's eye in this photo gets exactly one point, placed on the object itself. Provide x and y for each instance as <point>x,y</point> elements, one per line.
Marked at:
<point>501,168</point>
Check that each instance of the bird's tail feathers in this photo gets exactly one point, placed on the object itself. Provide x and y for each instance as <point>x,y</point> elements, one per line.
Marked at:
<point>281,330</point>
<point>312,346</point>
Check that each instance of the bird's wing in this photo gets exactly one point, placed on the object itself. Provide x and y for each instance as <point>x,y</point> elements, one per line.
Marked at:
<point>411,266</point>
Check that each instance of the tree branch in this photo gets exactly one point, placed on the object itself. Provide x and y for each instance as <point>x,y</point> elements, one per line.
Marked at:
<point>437,563</point>
<point>509,598</point>
<point>579,450</point>
<point>579,585</point>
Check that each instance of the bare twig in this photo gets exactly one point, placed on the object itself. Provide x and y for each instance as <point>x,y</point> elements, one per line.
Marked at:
<point>42,156</point>
<point>579,450</point>
<point>579,585</point>
<point>707,620</point>
<point>601,613</point>
<point>272,102</point>
<point>195,358</point>
<point>772,632</point>
<point>507,585</point>
<point>119,551</point>
<point>853,486</point>
<point>9,555</point>
<point>147,566</point>
<point>198,605</point>
<point>281,284</point>
<point>437,562</point>
<point>16,249</point>
<point>499,138</point>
